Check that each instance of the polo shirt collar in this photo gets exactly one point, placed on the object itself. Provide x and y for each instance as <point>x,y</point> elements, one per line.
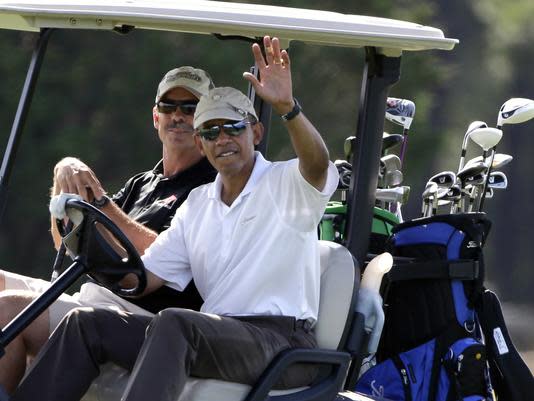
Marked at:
<point>260,167</point>
<point>203,166</point>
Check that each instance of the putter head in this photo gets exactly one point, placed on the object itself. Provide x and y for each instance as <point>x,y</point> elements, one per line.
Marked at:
<point>486,138</point>
<point>497,180</point>
<point>400,111</point>
<point>515,111</point>
<point>389,141</point>
<point>444,179</point>
<point>499,161</point>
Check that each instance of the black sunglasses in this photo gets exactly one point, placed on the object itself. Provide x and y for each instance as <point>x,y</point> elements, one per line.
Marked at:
<point>187,107</point>
<point>232,129</point>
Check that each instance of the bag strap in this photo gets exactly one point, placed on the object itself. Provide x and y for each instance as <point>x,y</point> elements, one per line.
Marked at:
<point>460,269</point>
<point>443,342</point>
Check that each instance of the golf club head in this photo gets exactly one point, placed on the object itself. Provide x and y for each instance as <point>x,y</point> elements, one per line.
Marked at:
<point>497,180</point>
<point>486,137</point>
<point>429,193</point>
<point>390,162</point>
<point>470,171</point>
<point>389,141</point>
<point>394,195</point>
<point>344,169</point>
<point>499,161</point>
<point>453,194</point>
<point>400,111</point>
<point>393,178</point>
<point>348,147</point>
<point>431,188</point>
<point>515,111</point>
<point>342,164</point>
<point>476,179</point>
<point>473,126</point>
<point>444,179</point>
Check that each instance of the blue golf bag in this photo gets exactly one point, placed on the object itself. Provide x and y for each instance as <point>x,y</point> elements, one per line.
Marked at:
<point>433,345</point>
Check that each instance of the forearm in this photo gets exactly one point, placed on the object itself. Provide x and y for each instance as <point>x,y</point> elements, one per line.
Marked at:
<point>140,236</point>
<point>310,150</point>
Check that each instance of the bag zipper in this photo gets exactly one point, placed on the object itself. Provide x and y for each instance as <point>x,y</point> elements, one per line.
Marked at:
<point>405,379</point>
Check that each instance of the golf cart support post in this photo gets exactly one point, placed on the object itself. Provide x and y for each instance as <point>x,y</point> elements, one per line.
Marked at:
<point>384,41</point>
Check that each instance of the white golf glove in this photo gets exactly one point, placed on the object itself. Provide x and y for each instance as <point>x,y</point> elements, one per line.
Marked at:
<point>58,202</point>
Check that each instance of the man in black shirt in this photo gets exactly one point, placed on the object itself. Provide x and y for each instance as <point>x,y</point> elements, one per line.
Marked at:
<point>142,208</point>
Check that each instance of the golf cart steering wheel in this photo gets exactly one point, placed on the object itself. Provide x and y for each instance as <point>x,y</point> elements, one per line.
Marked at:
<point>102,248</point>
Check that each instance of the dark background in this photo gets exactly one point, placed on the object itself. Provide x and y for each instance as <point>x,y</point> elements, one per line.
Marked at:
<point>96,91</point>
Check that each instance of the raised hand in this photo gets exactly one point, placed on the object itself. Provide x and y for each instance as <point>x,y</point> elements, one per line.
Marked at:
<point>274,85</point>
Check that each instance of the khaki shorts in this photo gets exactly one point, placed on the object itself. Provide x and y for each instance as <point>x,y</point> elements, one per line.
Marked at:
<point>90,295</point>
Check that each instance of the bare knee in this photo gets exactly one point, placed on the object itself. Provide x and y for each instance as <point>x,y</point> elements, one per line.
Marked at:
<point>12,302</point>
<point>2,281</point>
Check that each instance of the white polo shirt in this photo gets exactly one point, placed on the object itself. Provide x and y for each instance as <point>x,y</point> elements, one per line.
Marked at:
<point>258,256</point>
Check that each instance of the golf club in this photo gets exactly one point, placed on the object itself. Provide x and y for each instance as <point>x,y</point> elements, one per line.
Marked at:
<point>401,112</point>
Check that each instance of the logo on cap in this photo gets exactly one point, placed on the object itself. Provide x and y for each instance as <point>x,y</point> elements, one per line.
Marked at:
<point>183,74</point>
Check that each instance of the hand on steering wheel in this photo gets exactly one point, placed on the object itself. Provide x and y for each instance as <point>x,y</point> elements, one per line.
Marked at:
<point>103,248</point>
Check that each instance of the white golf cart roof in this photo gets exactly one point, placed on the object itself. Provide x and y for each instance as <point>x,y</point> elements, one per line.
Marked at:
<point>207,17</point>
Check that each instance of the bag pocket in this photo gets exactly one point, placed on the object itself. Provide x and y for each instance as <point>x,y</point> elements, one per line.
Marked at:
<point>466,365</point>
<point>386,380</point>
<point>403,377</point>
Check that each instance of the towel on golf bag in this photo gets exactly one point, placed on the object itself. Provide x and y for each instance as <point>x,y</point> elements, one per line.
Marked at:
<point>431,346</point>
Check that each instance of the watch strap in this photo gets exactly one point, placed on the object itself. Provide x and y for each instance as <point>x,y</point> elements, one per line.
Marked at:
<point>100,203</point>
<point>295,111</point>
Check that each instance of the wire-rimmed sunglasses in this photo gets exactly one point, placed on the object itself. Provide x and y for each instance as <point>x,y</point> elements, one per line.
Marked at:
<point>187,107</point>
<point>232,129</point>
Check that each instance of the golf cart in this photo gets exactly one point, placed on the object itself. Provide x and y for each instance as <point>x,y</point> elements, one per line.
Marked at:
<point>340,329</point>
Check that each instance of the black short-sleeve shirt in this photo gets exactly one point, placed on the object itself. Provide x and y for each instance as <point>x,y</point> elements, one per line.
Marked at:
<point>152,200</point>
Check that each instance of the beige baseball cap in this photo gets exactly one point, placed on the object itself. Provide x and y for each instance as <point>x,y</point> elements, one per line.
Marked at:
<point>195,80</point>
<point>223,103</point>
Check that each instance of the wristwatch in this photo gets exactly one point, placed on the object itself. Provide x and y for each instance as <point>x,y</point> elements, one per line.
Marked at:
<point>100,203</point>
<point>293,113</point>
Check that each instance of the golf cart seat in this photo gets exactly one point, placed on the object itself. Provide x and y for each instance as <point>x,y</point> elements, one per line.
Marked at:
<point>338,287</point>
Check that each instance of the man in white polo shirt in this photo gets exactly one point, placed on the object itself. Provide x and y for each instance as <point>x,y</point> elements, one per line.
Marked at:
<point>249,240</point>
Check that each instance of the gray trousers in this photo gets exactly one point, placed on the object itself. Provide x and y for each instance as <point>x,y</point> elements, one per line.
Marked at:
<point>179,343</point>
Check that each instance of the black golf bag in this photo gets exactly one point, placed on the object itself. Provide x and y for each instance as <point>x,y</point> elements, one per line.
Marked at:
<point>437,343</point>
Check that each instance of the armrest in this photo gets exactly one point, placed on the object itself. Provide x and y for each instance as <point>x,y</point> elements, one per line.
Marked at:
<point>323,390</point>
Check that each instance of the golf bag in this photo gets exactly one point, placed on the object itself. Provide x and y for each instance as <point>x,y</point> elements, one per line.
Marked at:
<point>431,347</point>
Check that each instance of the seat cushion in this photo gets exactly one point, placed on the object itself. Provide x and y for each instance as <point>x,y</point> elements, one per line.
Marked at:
<point>337,286</point>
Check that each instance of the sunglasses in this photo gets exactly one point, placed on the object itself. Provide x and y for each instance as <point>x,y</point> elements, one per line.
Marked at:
<point>235,129</point>
<point>187,107</point>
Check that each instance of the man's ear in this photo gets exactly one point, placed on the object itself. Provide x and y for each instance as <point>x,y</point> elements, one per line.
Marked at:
<point>155,117</point>
<point>258,131</point>
<point>200,146</point>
